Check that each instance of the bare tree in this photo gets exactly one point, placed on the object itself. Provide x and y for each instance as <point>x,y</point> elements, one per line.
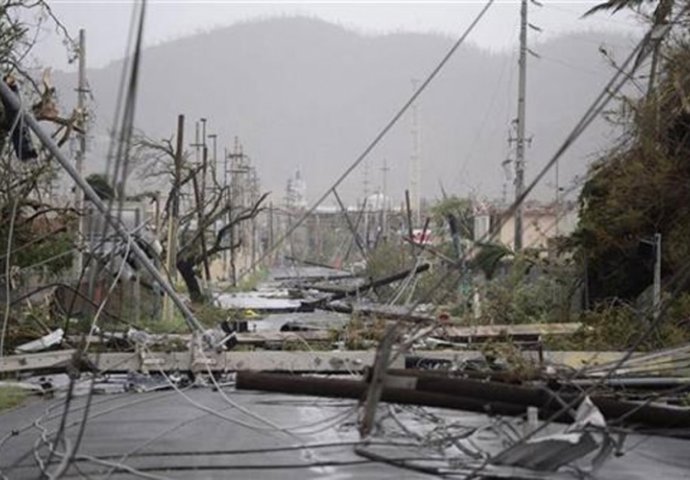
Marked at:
<point>207,209</point>
<point>27,211</point>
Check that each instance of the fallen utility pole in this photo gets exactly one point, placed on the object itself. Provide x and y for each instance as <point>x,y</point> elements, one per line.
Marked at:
<point>355,389</point>
<point>382,281</point>
<point>114,222</point>
<point>377,381</point>
<point>173,217</point>
<point>471,395</point>
<point>337,294</point>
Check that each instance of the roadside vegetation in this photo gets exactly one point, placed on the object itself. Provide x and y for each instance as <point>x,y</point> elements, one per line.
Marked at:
<point>11,397</point>
<point>601,275</point>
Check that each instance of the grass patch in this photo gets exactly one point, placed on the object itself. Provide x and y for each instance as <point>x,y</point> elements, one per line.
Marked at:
<point>11,397</point>
<point>249,282</point>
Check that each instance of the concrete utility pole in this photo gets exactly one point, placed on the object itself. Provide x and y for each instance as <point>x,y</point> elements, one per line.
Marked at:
<point>173,217</point>
<point>415,162</point>
<point>214,161</point>
<point>81,152</point>
<point>237,168</point>
<point>204,158</point>
<point>384,191</point>
<point>520,149</point>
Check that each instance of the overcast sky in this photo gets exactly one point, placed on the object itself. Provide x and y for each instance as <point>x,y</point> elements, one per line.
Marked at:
<point>107,21</point>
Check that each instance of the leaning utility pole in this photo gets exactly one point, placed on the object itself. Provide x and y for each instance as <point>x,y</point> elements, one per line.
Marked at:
<point>520,147</point>
<point>657,276</point>
<point>199,200</point>
<point>384,192</point>
<point>173,217</point>
<point>10,97</point>
<point>81,153</point>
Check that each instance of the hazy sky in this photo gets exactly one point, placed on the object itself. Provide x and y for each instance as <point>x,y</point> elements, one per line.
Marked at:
<point>107,21</point>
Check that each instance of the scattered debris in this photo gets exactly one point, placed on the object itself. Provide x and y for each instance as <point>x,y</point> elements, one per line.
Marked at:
<point>47,341</point>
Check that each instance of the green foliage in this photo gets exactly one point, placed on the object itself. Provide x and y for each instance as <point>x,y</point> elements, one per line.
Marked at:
<point>54,252</point>
<point>489,257</point>
<point>387,259</point>
<point>11,397</point>
<point>176,324</point>
<point>33,244</point>
<point>249,282</point>
<point>437,285</point>
<point>616,5</point>
<point>460,208</point>
<point>101,186</point>
<point>618,326</point>
<point>362,333</point>
<point>533,291</point>
<point>639,189</point>
<point>210,315</point>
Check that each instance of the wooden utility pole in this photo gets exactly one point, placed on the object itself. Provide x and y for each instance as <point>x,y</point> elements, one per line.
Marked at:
<point>199,199</point>
<point>378,378</point>
<point>410,228</point>
<point>173,217</point>
<point>520,147</point>
<point>657,276</point>
<point>81,152</point>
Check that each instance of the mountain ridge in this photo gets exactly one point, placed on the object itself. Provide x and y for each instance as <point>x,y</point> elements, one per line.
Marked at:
<point>306,93</point>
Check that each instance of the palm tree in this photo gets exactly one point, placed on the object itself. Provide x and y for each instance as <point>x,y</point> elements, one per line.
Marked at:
<point>661,16</point>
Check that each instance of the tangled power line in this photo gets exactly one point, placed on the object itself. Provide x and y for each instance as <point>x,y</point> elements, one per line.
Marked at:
<point>71,454</point>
